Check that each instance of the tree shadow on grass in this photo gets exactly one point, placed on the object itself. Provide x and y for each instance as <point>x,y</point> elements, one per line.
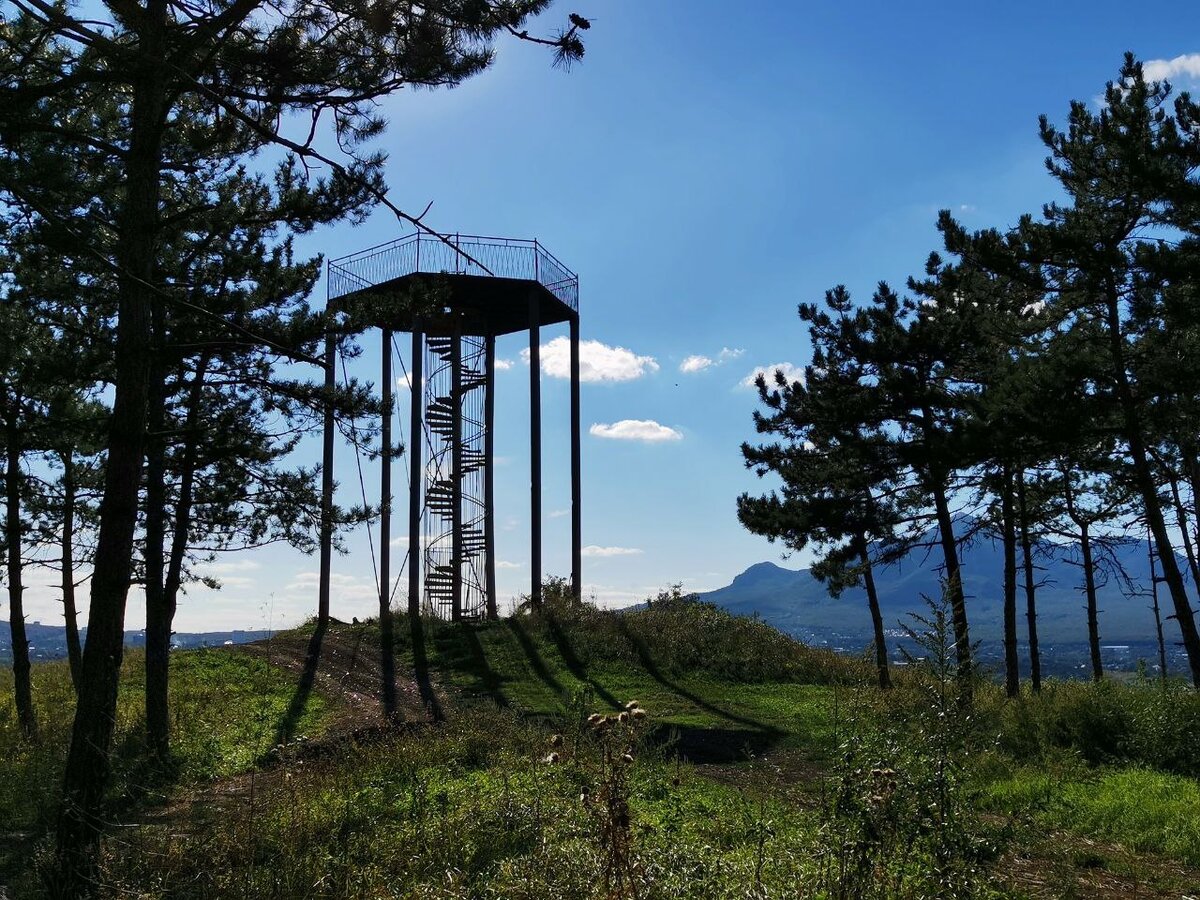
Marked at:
<point>286,728</point>
<point>647,661</point>
<point>488,679</point>
<point>574,665</point>
<point>536,663</point>
<point>421,670</point>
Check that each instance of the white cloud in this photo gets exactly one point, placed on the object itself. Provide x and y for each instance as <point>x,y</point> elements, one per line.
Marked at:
<point>239,565</point>
<point>597,362</point>
<point>505,564</point>
<point>236,581</point>
<point>635,430</point>
<point>698,363</point>
<point>593,550</point>
<point>1185,66</point>
<point>558,513</point>
<point>695,363</point>
<point>503,365</point>
<point>790,372</point>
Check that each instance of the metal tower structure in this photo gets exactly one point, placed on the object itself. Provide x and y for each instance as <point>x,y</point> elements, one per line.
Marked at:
<point>455,295</point>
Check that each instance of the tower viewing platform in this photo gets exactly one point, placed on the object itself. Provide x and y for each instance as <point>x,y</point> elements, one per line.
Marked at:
<point>488,284</point>
<point>454,294</point>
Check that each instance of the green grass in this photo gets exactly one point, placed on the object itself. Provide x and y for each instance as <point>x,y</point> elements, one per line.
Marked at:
<point>520,667</point>
<point>470,808</point>
<point>1142,810</point>
<point>225,709</point>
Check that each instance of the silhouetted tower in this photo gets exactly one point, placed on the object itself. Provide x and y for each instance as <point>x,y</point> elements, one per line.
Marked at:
<point>455,295</point>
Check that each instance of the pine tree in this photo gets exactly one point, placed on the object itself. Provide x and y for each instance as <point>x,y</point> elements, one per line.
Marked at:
<point>242,70</point>
<point>834,468</point>
<point>1119,264</point>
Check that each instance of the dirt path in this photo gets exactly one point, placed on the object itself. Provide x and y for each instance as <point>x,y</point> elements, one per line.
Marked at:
<point>1059,864</point>
<point>348,676</point>
<point>348,680</point>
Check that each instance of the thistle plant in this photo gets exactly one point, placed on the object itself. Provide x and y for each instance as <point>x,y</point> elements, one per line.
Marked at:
<point>605,795</point>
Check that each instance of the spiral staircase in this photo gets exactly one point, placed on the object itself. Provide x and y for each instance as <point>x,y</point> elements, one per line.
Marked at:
<point>454,510</point>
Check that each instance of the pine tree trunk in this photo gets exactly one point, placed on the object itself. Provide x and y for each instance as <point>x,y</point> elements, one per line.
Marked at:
<point>86,773</point>
<point>1089,585</point>
<point>1012,663</point>
<point>954,586</point>
<point>183,506</point>
<point>158,622</point>
<point>70,613</point>
<point>1193,465</point>
<point>1185,535</point>
<point>22,689</point>
<point>1154,581</point>
<point>1035,654</point>
<point>1144,479</point>
<point>881,656</point>
<point>954,590</point>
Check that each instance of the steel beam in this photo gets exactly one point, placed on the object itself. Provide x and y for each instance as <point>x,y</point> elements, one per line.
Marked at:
<point>326,537</point>
<point>535,452</point>
<point>489,481</point>
<point>576,469</point>
<point>416,467</point>
<point>386,650</point>
<point>456,476</point>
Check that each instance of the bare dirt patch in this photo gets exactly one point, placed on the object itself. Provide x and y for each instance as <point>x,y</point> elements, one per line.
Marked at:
<point>1060,864</point>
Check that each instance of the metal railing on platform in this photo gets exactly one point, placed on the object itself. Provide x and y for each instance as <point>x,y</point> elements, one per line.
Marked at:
<point>456,254</point>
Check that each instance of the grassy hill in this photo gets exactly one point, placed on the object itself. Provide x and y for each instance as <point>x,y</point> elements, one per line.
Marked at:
<point>758,767</point>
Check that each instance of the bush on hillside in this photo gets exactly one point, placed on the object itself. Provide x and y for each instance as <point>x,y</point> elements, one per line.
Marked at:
<point>678,634</point>
<point>1106,723</point>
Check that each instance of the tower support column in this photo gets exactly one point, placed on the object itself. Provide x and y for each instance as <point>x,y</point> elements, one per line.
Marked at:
<point>535,453</point>
<point>326,536</point>
<point>456,476</point>
<point>416,471</point>
<point>386,649</point>
<point>489,481</point>
<point>576,469</point>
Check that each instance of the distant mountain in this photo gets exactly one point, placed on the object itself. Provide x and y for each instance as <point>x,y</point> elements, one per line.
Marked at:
<point>797,603</point>
<point>50,641</point>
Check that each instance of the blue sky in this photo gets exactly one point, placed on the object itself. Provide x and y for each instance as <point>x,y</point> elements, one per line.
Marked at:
<point>707,167</point>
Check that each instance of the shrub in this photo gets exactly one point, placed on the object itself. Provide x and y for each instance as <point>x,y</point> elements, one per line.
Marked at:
<point>679,635</point>
<point>1105,723</point>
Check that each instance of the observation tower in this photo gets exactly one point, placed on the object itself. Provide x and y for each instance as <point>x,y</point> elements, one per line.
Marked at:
<point>454,294</point>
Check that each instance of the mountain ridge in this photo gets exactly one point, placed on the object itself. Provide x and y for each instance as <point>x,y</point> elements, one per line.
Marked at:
<point>794,601</point>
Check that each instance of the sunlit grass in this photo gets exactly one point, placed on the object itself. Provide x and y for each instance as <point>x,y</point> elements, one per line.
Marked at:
<point>1140,809</point>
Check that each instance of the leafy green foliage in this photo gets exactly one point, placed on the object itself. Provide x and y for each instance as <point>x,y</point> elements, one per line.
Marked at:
<point>900,821</point>
<point>1141,724</point>
<point>1142,809</point>
<point>227,706</point>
